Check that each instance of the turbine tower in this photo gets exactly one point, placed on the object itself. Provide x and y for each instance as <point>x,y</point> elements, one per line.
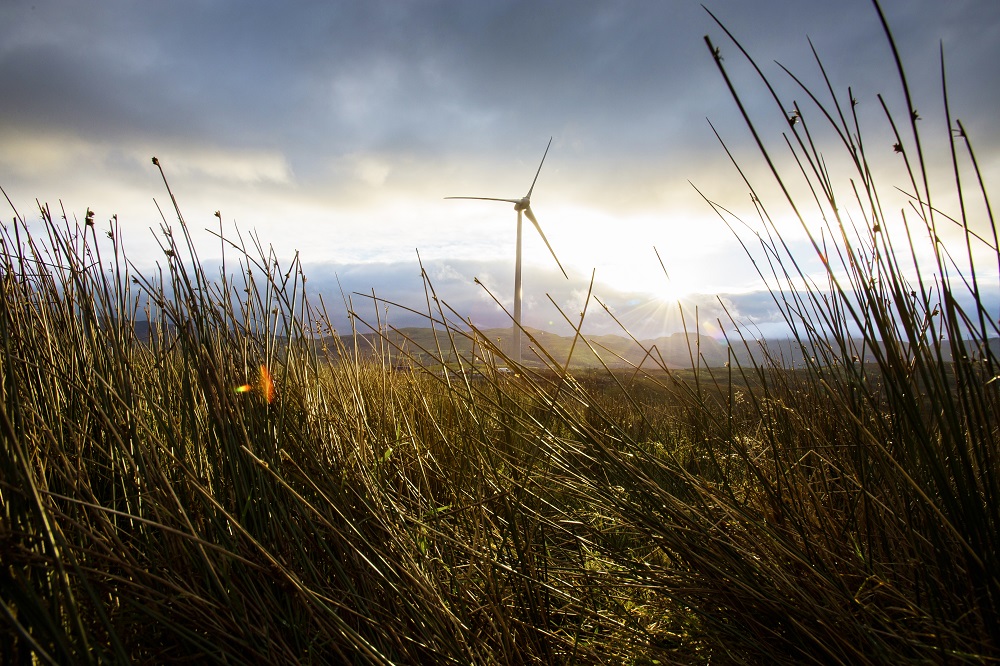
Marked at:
<point>523,205</point>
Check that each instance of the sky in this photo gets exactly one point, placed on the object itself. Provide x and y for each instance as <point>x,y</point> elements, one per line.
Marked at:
<point>335,130</point>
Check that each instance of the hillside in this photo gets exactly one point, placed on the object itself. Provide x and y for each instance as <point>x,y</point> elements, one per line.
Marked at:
<point>674,351</point>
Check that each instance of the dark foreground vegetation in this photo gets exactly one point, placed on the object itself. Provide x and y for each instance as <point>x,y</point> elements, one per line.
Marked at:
<point>843,512</point>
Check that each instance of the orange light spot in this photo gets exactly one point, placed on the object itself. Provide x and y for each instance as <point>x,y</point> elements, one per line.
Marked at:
<point>266,384</point>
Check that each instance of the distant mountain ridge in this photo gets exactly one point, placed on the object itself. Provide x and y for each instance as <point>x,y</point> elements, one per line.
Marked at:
<point>674,351</point>
<point>677,351</point>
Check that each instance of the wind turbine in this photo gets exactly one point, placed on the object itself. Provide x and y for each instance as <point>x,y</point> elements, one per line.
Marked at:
<point>523,205</point>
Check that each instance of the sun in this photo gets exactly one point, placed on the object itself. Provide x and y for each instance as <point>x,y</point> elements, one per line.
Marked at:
<point>671,278</point>
<point>651,282</point>
<point>673,287</point>
<point>669,290</point>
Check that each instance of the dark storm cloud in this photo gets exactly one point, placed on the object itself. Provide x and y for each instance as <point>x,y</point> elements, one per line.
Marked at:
<point>616,81</point>
<point>397,76</point>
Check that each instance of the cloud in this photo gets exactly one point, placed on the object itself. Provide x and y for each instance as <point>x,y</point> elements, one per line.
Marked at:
<point>400,286</point>
<point>372,171</point>
<point>335,128</point>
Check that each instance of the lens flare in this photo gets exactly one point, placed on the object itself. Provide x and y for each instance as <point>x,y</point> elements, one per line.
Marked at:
<point>265,385</point>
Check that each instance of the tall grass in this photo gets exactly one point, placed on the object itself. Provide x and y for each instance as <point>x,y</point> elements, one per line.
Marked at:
<point>840,511</point>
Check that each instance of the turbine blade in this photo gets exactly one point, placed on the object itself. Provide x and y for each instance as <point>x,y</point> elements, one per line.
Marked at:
<point>513,201</point>
<point>531,216</point>
<point>539,171</point>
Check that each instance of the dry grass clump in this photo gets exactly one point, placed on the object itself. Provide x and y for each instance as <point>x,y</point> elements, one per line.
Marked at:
<point>842,511</point>
<point>154,513</point>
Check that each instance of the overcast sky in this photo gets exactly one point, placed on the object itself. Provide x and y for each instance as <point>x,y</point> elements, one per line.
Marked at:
<point>336,129</point>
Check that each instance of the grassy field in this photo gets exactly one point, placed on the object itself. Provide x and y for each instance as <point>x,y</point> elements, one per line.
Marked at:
<point>844,511</point>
